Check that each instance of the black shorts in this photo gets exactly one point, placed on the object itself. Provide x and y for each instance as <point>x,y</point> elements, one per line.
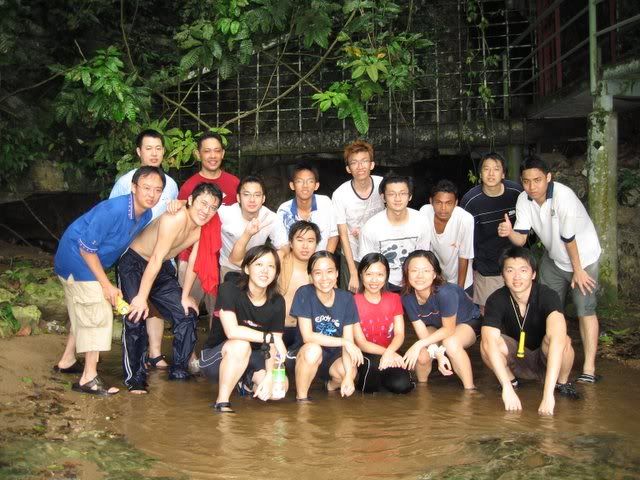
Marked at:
<point>532,367</point>
<point>329,356</point>
<point>211,358</point>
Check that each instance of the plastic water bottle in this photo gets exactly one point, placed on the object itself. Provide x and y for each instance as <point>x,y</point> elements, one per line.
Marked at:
<point>279,388</point>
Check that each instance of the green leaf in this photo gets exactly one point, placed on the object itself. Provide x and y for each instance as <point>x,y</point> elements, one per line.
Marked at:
<point>358,71</point>
<point>207,31</point>
<point>235,26</point>
<point>216,49</point>
<point>190,59</point>
<point>224,24</point>
<point>372,71</point>
<point>86,79</point>
<point>360,117</point>
<point>325,105</point>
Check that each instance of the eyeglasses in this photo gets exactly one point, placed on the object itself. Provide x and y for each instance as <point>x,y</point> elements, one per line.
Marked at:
<point>359,163</point>
<point>397,194</point>
<point>203,205</point>
<point>147,189</point>
<point>248,195</point>
<point>301,182</point>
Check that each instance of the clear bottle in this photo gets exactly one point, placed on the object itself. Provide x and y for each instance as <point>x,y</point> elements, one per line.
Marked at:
<point>279,388</point>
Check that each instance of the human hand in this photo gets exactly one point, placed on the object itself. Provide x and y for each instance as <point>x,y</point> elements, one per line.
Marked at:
<point>263,390</point>
<point>347,387</point>
<point>355,232</point>
<point>444,365</point>
<point>510,399</point>
<point>354,283</point>
<point>280,347</point>
<point>174,206</point>
<point>111,293</point>
<point>189,302</point>
<point>411,356</point>
<point>584,281</point>
<point>390,359</point>
<point>138,309</point>
<point>354,353</point>
<point>546,406</point>
<point>253,227</point>
<point>505,228</point>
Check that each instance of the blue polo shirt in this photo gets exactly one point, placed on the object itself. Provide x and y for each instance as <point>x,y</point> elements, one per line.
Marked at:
<point>106,230</point>
<point>448,300</point>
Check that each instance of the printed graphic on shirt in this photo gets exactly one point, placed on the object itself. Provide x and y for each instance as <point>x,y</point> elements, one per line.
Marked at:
<point>326,325</point>
<point>396,250</point>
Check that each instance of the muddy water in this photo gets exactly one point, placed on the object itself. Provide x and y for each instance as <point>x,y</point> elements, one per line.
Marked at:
<point>437,431</point>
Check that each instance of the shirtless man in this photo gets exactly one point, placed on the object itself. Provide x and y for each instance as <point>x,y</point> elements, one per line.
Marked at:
<point>146,272</point>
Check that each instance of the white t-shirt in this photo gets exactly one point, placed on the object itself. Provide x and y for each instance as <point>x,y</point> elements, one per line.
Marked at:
<point>560,219</point>
<point>321,214</point>
<point>395,242</point>
<point>456,241</point>
<point>233,226</point>
<point>353,211</point>
<point>170,192</point>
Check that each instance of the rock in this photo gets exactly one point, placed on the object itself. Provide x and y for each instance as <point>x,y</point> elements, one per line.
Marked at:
<point>28,317</point>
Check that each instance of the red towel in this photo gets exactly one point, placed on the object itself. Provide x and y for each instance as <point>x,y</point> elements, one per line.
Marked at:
<point>206,265</point>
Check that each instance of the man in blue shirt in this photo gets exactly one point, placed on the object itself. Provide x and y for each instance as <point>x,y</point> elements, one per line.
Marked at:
<point>91,244</point>
<point>150,151</point>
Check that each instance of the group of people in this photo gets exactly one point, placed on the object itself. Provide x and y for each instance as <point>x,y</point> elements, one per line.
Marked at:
<point>457,270</point>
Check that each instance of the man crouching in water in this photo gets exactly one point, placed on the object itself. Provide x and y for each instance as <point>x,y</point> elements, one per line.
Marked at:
<point>524,334</point>
<point>146,273</point>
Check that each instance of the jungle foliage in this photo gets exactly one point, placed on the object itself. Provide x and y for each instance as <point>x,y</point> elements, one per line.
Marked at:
<point>78,80</point>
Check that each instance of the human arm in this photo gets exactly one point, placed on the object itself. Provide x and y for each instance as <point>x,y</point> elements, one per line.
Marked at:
<point>240,247</point>
<point>363,344</point>
<point>264,390</point>
<point>345,245</point>
<point>505,229</point>
<point>391,357</point>
<point>463,265</point>
<point>581,278</point>
<point>556,335</point>
<point>332,243</point>
<point>110,291</point>
<point>447,329</point>
<point>490,345</point>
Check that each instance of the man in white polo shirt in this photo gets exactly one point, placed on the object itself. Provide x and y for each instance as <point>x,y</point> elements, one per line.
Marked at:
<point>451,230</point>
<point>355,202</point>
<point>396,231</point>
<point>245,224</point>
<point>558,217</point>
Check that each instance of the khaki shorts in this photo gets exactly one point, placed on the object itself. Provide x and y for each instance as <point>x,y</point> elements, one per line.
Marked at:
<point>91,315</point>
<point>196,291</point>
<point>483,287</point>
<point>532,367</point>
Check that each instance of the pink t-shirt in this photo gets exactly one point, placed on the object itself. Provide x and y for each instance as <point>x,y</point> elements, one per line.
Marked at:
<point>376,320</point>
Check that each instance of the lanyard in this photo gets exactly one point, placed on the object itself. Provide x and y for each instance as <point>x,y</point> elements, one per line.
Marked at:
<point>521,321</point>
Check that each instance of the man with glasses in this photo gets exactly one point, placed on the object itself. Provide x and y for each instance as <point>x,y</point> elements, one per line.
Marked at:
<point>396,231</point>
<point>355,202</point>
<point>245,224</point>
<point>146,273</point>
<point>150,151</point>
<point>307,205</point>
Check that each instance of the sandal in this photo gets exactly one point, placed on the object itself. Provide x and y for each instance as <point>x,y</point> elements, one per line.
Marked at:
<point>567,390</point>
<point>100,390</point>
<point>139,388</point>
<point>223,407</point>
<point>304,400</point>
<point>75,368</point>
<point>152,363</point>
<point>588,378</point>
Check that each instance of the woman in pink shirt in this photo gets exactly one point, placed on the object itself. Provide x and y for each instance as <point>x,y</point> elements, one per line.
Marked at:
<point>380,332</point>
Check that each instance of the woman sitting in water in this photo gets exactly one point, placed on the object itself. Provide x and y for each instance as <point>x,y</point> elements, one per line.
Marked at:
<point>443,316</point>
<point>243,344</point>
<point>326,316</point>
<point>380,332</point>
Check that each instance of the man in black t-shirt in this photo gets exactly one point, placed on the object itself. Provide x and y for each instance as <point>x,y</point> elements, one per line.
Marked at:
<point>524,333</point>
<point>488,203</point>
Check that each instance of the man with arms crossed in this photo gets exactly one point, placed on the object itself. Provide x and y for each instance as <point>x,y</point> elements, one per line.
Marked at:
<point>451,230</point>
<point>572,249</point>
<point>396,231</point>
<point>524,334</point>
<point>146,272</point>
<point>91,244</point>
<point>488,203</point>
<point>355,202</point>
<point>150,151</point>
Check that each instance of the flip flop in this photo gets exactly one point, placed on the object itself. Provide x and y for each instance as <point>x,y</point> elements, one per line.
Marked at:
<point>152,363</point>
<point>138,388</point>
<point>75,368</point>
<point>101,390</point>
<point>588,378</point>
<point>223,407</point>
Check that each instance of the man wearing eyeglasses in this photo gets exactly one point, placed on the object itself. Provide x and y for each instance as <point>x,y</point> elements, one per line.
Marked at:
<point>146,273</point>
<point>355,202</point>
<point>245,224</point>
<point>309,206</point>
<point>396,231</point>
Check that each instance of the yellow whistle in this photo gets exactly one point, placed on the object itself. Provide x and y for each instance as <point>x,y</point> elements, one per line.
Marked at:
<point>122,307</point>
<point>520,353</point>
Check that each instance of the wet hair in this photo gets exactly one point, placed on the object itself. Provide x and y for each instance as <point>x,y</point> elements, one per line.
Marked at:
<point>148,133</point>
<point>433,260</point>
<point>357,147</point>
<point>494,156</point>
<point>444,186</point>
<point>147,170</point>
<point>302,166</point>
<point>253,254</point>
<point>251,179</point>
<point>518,252</point>
<point>322,254</point>
<point>208,135</point>
<point>368,260</point>
<point>205,188</point>
<point>533,161</point>
<point>302,226</point>
<point>395,178</point>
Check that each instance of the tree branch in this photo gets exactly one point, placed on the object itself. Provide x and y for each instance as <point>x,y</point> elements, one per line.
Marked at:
<point>38,220</point>
<point>124,38</point>
<point>185,109</point>
<point>15,92</point>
